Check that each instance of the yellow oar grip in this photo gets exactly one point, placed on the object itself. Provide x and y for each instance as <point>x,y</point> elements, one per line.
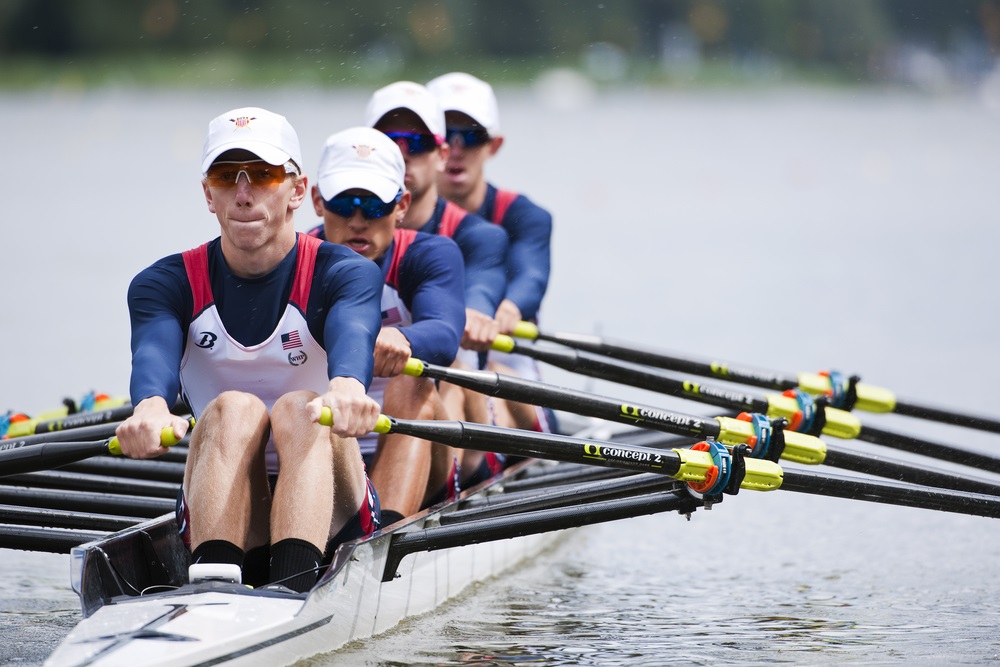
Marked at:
<point>839,423</point>
<point>413,367</point>
<point>167,439</point>
<point>383,425</point>
<point>503,343</point>
<point>799,447</point>
<point>870,398</point>
<point>760,475</point>
<point>527,330</point>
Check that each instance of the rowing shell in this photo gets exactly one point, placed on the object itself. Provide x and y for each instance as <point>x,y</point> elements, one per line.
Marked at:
<point>139,609</point>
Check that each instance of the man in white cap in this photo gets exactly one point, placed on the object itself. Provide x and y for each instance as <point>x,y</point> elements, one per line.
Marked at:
<point>259,330</point>
<point>361,197</point>
<point>411,116</point>
<point>472,121</point>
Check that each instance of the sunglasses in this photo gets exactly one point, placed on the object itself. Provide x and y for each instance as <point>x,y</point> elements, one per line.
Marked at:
<point>467,137</point>
<point>416,142</point>
<point>371,206</point>
<point>260,173</point>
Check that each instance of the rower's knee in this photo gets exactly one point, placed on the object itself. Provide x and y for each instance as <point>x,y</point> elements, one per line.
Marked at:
<point>290,421</point>
<point>232,416</point>
<point>410,397</point>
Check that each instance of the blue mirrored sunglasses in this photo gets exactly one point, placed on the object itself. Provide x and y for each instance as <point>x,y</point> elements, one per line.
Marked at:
<point>416,142</point>
<point>468,137</point>
<point>371,206</point>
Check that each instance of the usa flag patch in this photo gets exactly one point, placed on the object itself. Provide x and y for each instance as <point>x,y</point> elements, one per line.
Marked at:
<point>291,340</point>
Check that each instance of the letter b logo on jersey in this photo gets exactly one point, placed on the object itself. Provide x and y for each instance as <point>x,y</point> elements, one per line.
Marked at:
<point>207,340</point>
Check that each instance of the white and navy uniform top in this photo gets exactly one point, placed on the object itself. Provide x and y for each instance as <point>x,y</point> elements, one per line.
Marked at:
<point>422,297</point>
<point>199,329</point>
<point>529,232</point>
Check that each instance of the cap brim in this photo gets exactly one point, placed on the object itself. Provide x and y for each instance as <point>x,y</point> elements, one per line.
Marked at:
<point>265,152</point>
<point>331,185</point>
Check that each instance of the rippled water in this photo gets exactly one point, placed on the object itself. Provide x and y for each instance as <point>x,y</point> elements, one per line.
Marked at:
<point>785,229</point>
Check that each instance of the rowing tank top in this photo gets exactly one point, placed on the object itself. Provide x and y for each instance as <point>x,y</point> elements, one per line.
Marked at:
<point>289,359</point>
<point>394,314</point>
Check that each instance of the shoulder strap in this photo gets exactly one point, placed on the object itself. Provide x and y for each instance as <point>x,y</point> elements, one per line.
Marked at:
<point>401,238</point>
<point>450,219</point>
<point>504,199</point>
<point>305,265</point>
<point>196,266</point>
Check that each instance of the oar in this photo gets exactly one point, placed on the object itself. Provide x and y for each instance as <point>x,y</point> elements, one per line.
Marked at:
<point>844,392</point>
<point>100,412</point>
<point>775,442</point>
<point>90,404</point>
<point>55,454</point>
<point>595,366</point>
<point>688,465</point>
<point>80,434</point>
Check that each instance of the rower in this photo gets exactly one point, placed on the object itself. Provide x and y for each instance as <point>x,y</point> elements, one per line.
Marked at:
<point>259,329</point>
<point>361,197</point>
<point>411,116</point>
<point>473,135</point>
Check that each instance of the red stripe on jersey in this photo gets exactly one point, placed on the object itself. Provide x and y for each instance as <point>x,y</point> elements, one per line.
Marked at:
<point>450,219</point>
<point>196,266</point>
<point>402,238</point>
<point>504,199</point>
<point>305,265</point>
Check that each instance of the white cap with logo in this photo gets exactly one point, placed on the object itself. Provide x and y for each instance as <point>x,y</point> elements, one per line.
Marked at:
<point>406,95</point>
<point>267,135</point>
<point>474,97</point>
<point>362,158</point>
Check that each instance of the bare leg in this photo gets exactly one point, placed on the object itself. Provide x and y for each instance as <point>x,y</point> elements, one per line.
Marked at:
<point>518,415</point>
<point>310,501</point>
<point>225,481</point>
<point>402,463</point>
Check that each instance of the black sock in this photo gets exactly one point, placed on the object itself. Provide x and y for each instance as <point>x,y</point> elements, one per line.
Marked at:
<point>256,566</point>
<point>390,517</point>
<point>295,563</point>
<point>218,551</point>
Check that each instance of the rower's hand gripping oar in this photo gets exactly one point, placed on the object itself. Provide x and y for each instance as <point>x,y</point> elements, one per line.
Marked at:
<point>709,469</point>
<point>52,455</point>
<point>842,391</point>
<point>766,439</point>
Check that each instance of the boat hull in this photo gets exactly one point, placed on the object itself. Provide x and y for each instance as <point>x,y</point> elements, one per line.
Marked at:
<point>221,623</point>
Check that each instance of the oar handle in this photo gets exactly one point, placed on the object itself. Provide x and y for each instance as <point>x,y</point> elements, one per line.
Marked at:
<point>167,439</point>
<point>526,330</point>
<point>383,425</point>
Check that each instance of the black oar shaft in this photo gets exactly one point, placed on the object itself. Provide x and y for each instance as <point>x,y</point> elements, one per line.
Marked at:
<point>592,365</point>
<point>893,493</point>
<point>557,398</point>
<point>597,345</point>
<point>87,501</point>
<point>51,540</point>
<point>50,455</point>
<point>540,445</point>
<point>924,447</point>
<point>979,422</point>
<point>904,472</point>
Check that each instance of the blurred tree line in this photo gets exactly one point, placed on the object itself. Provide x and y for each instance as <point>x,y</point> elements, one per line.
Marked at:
<point>856,37</point>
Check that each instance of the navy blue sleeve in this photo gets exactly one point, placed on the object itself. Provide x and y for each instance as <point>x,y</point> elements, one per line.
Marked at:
<point>484,250</point>
<point>159,305</point>
<point>346,300</point>
<point>431,278</point>
<point>529,228</point>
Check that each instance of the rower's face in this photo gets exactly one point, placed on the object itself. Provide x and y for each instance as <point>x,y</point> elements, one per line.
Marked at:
<point>465,166</point>
<point>422,168</point>
<point>369,237</point>
<point>257,204</point>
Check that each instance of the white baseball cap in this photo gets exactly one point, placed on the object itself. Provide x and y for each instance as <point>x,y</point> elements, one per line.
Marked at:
<point>474,97</point>
<point>406,95</point>
<point>267,135</point>
<point>363,158</point>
